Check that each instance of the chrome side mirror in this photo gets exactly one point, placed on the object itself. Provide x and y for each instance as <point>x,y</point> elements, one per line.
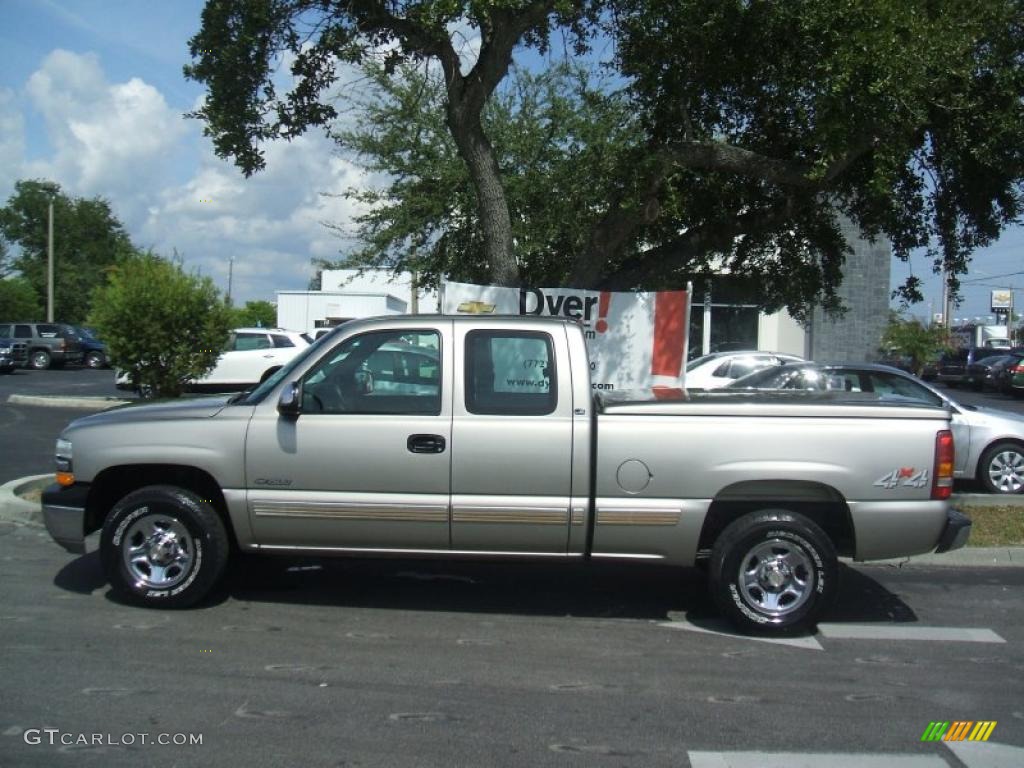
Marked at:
<point>289,404</point>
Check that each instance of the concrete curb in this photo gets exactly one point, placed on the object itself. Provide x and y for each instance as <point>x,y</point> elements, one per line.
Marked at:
<point>15,509</point>
<point>967,557</point>
<point>90,403</point>
<point>988,500</point>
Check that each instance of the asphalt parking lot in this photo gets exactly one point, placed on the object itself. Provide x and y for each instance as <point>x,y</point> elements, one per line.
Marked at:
<point>344,662</point>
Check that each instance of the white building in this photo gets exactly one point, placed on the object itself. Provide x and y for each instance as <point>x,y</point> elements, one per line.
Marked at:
<point>345,294</point>
<point>724,315</point>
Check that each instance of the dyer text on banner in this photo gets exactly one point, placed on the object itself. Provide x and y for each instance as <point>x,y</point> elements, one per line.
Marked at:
<point>635,340</point>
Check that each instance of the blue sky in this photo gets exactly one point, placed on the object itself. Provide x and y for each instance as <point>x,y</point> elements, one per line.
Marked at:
<point>92,96</point>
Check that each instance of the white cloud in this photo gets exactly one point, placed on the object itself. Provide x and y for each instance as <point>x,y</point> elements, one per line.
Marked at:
<point>107,138</point>
<point>122,141</point>
<point>271,222</point>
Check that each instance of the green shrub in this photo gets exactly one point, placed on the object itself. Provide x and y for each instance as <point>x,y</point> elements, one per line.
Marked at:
<point>161,325</point>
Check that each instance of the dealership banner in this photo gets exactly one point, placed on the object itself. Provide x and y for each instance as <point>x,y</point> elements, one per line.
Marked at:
<point>635,340</point>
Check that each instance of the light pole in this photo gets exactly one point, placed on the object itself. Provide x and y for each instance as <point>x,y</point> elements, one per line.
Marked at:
<point>49,266</point>
<point>231,270</point>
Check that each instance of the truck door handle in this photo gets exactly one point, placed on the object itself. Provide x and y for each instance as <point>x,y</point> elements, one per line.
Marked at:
<point>426,444</point>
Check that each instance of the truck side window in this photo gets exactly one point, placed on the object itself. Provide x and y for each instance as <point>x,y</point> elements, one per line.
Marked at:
<point>383,372</point>
<point>510,373</point>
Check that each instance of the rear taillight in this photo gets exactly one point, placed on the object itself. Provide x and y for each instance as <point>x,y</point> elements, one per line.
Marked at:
<point>942,477</point>
<point>1018,369</point>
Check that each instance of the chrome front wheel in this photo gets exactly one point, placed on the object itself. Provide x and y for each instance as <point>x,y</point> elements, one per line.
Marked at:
<point>163,546</point>
<point>158,551</point>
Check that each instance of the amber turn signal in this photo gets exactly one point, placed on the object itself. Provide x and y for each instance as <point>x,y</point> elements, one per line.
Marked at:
<point>65,478</point>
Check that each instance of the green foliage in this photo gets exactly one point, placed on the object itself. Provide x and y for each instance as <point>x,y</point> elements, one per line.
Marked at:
<point>18,301</point>
<point>254,313</point>
<point>912,339</point>
<point>904,114</point>
<point>739,133</point>
<point>87,236</point>
<point>562,145</point>
<point>160,324</point>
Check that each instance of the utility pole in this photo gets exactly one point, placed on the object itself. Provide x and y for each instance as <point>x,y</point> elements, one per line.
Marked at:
<point>231,270</point>
<point>49,266</point>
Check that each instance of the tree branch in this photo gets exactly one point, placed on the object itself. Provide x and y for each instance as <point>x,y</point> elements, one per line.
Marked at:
<point>719,156</point>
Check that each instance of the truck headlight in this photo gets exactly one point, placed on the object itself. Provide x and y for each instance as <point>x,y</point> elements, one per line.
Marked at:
<point>62,458</point>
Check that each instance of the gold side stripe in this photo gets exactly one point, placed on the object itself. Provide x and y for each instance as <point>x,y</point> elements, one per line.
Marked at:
<point>418,513</point>
<point>532,516</point>
<point>577,517</point>
<point>637,518</point>
<point>508,519</point>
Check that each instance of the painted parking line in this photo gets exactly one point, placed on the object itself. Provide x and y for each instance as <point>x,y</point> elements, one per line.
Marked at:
<point>722,628</point>
<point>812,760</point>
<point>908,632</point>
<point>975,754</point>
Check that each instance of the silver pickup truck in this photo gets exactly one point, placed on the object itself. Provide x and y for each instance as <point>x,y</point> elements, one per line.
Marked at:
<point>481,437</point>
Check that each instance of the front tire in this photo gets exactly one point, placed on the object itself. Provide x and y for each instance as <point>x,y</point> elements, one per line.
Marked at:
<point>773,572</point>
<point>163,547</point>
<point>40,359</point>
<point>95,360</point>
<point>1001,469</point>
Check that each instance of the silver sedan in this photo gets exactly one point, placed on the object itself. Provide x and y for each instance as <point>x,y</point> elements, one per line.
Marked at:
<point>989,442</point>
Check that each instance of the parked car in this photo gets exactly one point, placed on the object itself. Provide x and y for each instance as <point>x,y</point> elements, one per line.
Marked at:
<point>48,344</point>
<point>95,350</point>
<point>952,367</point>
<point>1002,376</point>
<point>13,354</point>
<point>981,373</point>
<point>719,369</point>
<point>989,442</point>
<point>249,357</point>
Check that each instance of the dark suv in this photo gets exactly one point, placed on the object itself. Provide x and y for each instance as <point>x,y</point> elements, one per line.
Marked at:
<point>952,366</point>
<point>47,343</point>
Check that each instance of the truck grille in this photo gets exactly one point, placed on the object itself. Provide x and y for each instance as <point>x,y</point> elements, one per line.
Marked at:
<point>19,353</point>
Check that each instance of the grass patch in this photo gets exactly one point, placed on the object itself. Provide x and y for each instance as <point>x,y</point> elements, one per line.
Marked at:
<point>998,525</point>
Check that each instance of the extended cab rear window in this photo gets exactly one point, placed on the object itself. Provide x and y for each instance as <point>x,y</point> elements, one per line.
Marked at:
<point>510,373</point>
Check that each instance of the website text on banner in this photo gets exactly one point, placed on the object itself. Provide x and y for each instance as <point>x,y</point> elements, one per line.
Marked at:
<point>635,340</point>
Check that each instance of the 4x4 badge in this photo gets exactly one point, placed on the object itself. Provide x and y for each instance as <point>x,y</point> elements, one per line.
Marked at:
<point>907,477</point>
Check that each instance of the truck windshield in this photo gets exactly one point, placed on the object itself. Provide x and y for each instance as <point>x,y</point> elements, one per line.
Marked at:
<point>256,395</point>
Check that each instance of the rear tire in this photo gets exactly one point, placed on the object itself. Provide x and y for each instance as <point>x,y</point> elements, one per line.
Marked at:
<point>163,547</point>
<point>773,572</point>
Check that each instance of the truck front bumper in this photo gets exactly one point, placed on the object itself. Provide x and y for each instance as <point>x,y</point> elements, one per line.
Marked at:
<point>64,514</point>
<point>956,532</point>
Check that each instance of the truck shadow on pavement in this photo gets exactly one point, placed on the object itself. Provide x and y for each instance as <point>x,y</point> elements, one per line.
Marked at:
<point>598,590</point>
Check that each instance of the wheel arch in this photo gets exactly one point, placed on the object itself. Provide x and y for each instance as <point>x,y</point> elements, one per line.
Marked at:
<point>820,503</point>
<point>114,483</point>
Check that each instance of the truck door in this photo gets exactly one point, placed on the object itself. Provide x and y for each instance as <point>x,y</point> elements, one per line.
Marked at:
<point>367,463</point>
<point>511,440</point>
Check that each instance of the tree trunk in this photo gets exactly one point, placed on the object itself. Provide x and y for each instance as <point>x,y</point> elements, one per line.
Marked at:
<point>495,220</point>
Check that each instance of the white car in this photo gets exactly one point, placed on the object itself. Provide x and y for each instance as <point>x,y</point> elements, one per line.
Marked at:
<point>249,357</point>
<point>719,369</point>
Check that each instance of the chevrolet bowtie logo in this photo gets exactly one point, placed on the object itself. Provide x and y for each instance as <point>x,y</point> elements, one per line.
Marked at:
<point>476,307</point>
